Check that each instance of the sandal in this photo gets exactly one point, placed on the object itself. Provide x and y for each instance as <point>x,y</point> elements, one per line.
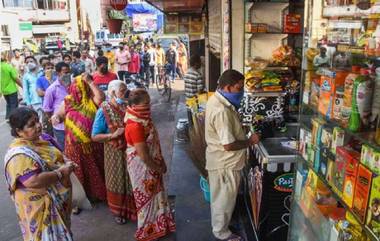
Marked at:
<point>232,237</point>
<point>120,220</point>
<point>76,211</point>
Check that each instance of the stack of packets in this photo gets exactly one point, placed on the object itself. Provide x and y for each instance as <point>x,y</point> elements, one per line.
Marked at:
<point>197,104</point>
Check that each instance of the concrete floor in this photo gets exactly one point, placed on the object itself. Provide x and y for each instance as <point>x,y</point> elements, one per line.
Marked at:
<point>97,224</point>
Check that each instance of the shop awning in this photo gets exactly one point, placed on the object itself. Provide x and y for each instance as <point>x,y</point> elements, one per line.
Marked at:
<point>145,8</point>
<point>176,6</point>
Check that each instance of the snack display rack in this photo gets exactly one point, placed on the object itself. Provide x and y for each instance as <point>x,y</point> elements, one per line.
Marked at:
<point>336,191</point>
<point>272,56</point>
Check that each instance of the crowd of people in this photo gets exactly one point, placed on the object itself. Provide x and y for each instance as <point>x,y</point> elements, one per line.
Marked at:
<point>78,116</point>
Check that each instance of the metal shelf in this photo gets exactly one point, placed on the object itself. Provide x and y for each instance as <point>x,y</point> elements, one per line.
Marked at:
<point>366,229</point>
<point>364,137</point>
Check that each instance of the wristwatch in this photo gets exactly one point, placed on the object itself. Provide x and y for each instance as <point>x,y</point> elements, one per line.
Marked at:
<point>59,174</point>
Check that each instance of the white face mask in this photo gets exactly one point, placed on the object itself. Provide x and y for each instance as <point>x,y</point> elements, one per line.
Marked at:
<point>32,66</point>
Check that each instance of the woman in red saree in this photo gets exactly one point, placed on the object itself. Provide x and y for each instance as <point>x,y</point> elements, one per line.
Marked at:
<point>78,112</point>
<point>146,167</point>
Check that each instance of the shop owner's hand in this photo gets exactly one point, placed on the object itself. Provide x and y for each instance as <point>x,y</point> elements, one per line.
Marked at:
<point>254,139</point>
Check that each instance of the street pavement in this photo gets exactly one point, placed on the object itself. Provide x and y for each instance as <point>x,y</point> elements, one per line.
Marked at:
<point>96,224</point>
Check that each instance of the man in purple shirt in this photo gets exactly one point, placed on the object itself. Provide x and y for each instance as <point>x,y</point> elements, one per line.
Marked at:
<point>54,97</point>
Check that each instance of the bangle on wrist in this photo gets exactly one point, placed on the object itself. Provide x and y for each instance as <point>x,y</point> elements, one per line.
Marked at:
<point>59,174</point>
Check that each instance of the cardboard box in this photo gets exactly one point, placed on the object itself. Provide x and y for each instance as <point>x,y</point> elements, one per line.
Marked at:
<point>326,137</point>
<point>337,139</point>
<point>374,163</point>
<point>366,155</point>
<point>373,213</point>
<point>324,160</point>
<point>338,171</point>
<point>362,191</point>
<point>351,170</point>
<point>316,131</point>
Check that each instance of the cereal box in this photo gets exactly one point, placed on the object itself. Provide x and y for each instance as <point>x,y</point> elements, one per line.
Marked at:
<point>352,162</point>
<point>362,191</point>
<point>337,139</point>
<point>373,213</point>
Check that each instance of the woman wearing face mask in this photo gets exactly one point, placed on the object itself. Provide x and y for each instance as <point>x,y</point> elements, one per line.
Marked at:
<point>146,167</point>
<point>108,128</point>
<point>29,82</point>
<point>103,76</point>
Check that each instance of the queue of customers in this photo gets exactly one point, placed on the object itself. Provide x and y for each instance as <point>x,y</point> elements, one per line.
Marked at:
<point>74,122</point>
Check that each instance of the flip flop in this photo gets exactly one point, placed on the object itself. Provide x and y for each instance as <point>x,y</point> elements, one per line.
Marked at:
<point>232,237</point>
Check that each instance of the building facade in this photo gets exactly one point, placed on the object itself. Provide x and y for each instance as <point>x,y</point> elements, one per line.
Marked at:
<point>38,19</point>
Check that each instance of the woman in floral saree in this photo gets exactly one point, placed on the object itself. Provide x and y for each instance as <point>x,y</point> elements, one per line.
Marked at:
<point>146,167</point>
<point>38,181</point>
<point>109,128</point>
<point>78,113</point>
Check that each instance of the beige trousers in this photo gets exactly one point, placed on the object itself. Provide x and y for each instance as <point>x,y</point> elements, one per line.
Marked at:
<point>224,187</point>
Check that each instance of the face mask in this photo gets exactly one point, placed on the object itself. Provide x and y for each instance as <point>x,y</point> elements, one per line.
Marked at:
<point>66,79</point>
<point>104,69</point>
<point>119,100</point>
<point>233,98</point>
<point>32,66</point>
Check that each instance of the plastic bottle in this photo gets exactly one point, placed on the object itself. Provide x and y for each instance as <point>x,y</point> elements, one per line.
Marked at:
<point>361,101</point>
<point>375,113</point>
<point>347,96</point>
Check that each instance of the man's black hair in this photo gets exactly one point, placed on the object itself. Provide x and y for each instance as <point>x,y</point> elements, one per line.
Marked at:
<point>60,65</point>
<point>230,77</point>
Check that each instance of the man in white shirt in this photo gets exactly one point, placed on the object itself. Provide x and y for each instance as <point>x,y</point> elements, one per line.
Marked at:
<point>226,152</point>
<point>152,64</point>
<point>88,63</point>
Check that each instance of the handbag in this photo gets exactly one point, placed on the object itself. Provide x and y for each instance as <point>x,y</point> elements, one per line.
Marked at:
<point>79,198</point>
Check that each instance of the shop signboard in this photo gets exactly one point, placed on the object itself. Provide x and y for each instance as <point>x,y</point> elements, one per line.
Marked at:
<point>144,22</point>
<point>25,26</point>
<point>284,182</point>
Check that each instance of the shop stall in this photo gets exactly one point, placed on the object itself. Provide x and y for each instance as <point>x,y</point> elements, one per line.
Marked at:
<point>337,178</point>
<point>272,58</point>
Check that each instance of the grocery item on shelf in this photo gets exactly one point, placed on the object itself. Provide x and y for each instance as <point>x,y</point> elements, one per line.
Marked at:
<point>347,96</point>
<point>337,171</point>
<point>326,137</point>
<point>337,139</point>
<point>323,161</point>
<point>361,101</point>
<point>366,155</point>
<point>316,133</point>
<point>350,229</point>
<point>338,104</point>
<point>373,213</point>
<point>362,191</point>
<point>352,163</point>
<point>292,23</point>
<point>375,113</point>
<point>374,164</point>
<point>315,91</point>
<point>285,56</point>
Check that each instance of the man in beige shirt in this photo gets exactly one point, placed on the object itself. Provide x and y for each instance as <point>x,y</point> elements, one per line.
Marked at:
<point>226,151</point>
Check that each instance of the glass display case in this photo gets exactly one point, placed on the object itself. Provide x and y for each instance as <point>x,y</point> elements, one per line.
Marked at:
<point>336,193</point>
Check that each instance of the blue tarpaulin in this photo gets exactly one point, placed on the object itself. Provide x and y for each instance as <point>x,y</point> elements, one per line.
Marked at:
<point>136,8</point>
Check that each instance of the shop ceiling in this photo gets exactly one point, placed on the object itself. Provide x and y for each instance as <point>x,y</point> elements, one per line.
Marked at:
<point>178,6</point>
